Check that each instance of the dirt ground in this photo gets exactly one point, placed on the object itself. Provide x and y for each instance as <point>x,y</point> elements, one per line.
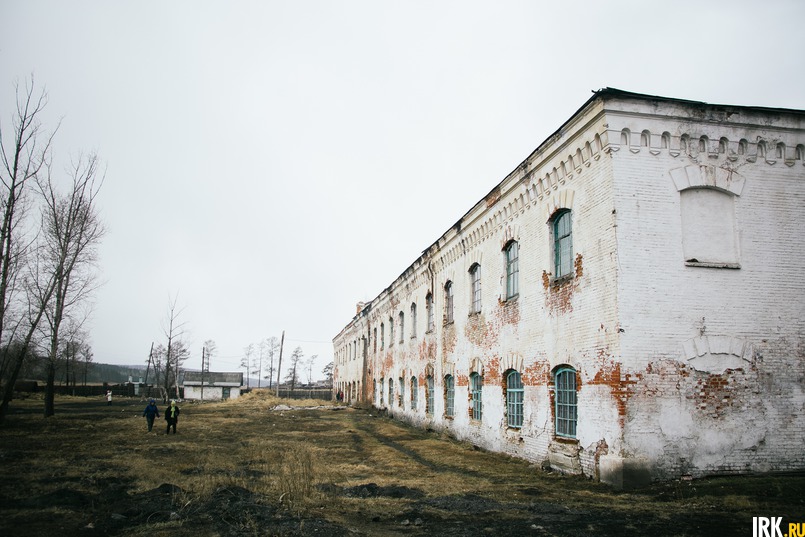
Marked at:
<point>250,467</point>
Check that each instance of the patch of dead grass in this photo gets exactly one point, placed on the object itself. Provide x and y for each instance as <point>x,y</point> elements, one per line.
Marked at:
<point>304,461</point>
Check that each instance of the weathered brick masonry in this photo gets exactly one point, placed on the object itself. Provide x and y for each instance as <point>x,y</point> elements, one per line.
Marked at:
<point>641,275</point>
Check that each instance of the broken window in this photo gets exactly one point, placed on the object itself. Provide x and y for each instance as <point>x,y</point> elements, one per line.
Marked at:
<point>565,396</point>
<point>562,244</point>
<point>449,396</point>
<point>512,256</point>
<point>475,288</point>
<point>476,392</point>
<point>514,400</point>
<point>429,396</point>
<point>402,393</point>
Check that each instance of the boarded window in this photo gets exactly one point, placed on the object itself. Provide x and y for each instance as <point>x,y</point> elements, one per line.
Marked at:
<point>708,227</point>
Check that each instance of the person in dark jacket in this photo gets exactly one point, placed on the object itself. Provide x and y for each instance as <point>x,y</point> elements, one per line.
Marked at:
<point>151,412</point>
<point>172,416</point>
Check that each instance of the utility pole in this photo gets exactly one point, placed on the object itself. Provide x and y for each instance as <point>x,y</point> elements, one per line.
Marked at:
<point>279,368</point>
<point>150,359</point>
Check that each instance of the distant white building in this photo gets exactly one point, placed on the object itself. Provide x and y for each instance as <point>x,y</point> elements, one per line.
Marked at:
<point>628,303</point>
<point>216,386</point>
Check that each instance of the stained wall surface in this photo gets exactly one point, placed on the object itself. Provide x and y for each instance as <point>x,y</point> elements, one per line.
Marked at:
<point>678,323</point>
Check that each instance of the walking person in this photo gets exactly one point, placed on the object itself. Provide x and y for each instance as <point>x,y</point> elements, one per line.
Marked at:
<point>172,416</point>
<point>151,411</point>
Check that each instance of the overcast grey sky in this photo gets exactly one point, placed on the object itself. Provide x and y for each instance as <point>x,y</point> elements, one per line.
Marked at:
<point>273,163</point>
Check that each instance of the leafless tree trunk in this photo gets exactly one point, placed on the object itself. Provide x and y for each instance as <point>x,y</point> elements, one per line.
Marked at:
<point>246,362</point>
<point>71,230</point>
<point>175,352</point>
<point>272,348</point>
<point>293,377</point>
<point>23,158</point>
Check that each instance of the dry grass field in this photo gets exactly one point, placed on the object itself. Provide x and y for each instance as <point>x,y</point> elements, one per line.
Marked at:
<point>246,467</point>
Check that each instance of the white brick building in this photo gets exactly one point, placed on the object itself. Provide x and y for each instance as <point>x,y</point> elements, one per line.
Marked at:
<point>628,303</point>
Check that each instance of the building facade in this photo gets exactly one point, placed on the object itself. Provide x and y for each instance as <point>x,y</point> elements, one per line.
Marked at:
<point>627,304</point>
<point>211,386</point>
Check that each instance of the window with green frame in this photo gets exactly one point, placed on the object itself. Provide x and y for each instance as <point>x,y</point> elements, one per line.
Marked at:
<point>565,406</point>
<point>512,255</point>
<point>429,395</point>
<point>514,400</point>
<point>562,244</point>
<point>449,396</point>
<point>475,288</point>
<point>414,393</point>
<point>476,393</point>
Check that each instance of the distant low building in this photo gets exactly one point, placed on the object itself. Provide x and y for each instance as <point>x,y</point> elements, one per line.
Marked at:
<point>211,386</point>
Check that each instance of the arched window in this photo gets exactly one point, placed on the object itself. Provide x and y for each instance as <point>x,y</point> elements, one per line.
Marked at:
<point>514,399</point>
<point>374,389</point>
<point>476,393</point>
<point>448,302</point>
<point>382,387</point>
<point>414,393</point>
<point>449,396</point>
<point>391,331</point>
<point>391,392</point>
<point>413,320</point>
<point>402,393</point>
<point>429,395</point>
<point>402,327</point>
<point>475,288</point>
<point>429,311</point>
<point>512,255</point>
<point>382,336</point>
<point>565,408</point>
<point>562,244</point>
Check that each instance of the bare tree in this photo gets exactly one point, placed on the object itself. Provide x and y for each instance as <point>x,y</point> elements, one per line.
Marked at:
<point>71,232</point>
<point>24,153</point>
<point>175,352</point>
<point>328,373</point>
<point>309,368</point>
<point>74,351</point>
<point>246,361</point>
<point>293,375</point>
<point>210,350</point>
<point>272,345</point>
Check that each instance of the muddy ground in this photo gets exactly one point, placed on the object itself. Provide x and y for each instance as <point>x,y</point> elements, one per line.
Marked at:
<point>248,468</point>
